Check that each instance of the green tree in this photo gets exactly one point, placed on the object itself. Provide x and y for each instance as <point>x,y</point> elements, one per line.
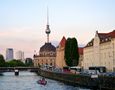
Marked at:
<point>71,52</point>
<point>15,63</point>
<point>29,62</point>
<point>2,61</point>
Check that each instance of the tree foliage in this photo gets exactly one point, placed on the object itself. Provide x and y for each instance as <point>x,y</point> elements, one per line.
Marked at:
<point>2,61</point>
<point>71,52</point>
<point>15,63</point>
<point>29,62</point>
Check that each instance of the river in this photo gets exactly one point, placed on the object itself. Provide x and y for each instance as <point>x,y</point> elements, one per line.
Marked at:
<point>28,81</point>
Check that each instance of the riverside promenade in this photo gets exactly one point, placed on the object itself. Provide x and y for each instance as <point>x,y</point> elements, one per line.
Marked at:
<point>100,83</point>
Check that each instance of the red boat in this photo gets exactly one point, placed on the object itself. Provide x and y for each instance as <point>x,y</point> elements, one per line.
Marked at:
<point>42,82</point>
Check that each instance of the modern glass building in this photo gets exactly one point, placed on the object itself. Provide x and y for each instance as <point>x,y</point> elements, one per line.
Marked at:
<point>9,54</point>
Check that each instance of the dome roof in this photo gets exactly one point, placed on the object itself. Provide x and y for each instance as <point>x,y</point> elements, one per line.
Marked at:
<point>47,47</point>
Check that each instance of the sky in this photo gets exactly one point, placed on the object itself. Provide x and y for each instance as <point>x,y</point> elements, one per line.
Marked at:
<point>23,22</point>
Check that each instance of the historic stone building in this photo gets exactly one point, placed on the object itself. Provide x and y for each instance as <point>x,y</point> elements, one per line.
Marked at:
<point>100,51</point>
<point>47,53</point>
<point>60,61</point>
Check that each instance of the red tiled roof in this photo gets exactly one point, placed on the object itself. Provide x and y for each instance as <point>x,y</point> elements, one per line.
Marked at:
<point>62,42</point>
<point>90,43</point>
<point>80,51</point>
<point>112,34</point>
<point>104,37</point>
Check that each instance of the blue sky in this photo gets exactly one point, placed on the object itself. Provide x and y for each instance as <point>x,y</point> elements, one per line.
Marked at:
<point>23,22</point>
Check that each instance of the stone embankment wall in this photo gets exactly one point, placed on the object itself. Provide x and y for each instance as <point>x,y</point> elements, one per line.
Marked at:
<point>102,82</point>
<point>69,78</point>
<point>106,82</point>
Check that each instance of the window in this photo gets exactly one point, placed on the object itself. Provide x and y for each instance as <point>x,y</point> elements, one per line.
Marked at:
<point>106,39</point>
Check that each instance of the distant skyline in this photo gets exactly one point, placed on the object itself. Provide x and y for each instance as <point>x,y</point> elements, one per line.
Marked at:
<point>23,22</point>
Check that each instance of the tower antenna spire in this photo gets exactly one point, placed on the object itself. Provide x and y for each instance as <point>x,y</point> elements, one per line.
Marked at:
<point>47,16</point>
<point>47,26</point>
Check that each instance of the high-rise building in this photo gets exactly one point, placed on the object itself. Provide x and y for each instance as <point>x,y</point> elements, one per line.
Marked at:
<point>9,54</point>
<point>20,55</point>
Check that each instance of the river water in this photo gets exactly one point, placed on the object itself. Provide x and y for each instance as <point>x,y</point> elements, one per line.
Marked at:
<point>28,81</point>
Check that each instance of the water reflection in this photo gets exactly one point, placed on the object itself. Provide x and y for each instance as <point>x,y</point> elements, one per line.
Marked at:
<point>28,81</point>
<point>1,74</point>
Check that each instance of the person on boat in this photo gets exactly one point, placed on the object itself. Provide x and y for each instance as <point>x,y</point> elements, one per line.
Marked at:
<point>43,79</point>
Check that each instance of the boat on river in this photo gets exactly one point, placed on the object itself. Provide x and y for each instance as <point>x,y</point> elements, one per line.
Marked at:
<point>16,71</point>
<point>42,81</point>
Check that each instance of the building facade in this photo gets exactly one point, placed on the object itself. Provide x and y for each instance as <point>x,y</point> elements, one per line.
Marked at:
<point>100,51</point>
<point>9,54</point>
<point>20,56</point>
<point>80,56</point>
<point>60,61</point>
<point>47,55</point>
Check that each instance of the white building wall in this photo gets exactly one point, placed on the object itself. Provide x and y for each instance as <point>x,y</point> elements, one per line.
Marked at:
<point>87,57</point>
<point>96,50</point>
<point>113,52</point>
<point>106,55</point>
